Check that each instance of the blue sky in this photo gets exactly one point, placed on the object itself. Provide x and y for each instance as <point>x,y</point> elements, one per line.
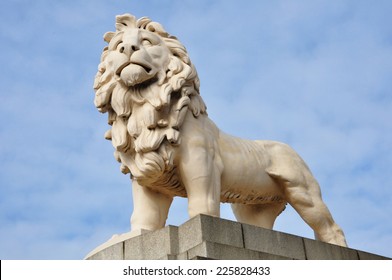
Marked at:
<point>314,74</point>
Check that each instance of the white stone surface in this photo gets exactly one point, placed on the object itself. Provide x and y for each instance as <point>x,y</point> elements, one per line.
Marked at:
<point>163,137</point>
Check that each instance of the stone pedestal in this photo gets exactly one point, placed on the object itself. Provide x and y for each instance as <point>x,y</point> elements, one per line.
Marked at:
<point>205,237</point>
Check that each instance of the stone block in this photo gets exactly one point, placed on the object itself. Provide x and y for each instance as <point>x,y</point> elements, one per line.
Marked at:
<point>199,251</point>
<point>317,250</point>
<point>368,256</point>
<point>273,242</point>
<point>182,256</point>
<point>216,251</point>
<point>206,228</point>
<point>153,245</point>
<point>114,252</point>
<point>168,258</point>
<point>133,248</point>
<point>205,237</point>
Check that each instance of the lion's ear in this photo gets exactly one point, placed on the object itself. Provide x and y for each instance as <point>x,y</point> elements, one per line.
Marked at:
<point>108,36</point>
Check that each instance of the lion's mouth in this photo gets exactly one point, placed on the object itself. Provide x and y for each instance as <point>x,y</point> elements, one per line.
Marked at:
<point>133,72</point>
<point>121,67</point>
<point>145,67</point>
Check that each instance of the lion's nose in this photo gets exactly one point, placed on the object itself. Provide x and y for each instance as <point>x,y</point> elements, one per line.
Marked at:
<point>129,49</point>
<point>135,48</point>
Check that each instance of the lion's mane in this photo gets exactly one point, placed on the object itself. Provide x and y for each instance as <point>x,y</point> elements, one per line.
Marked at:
<point>146,119</point>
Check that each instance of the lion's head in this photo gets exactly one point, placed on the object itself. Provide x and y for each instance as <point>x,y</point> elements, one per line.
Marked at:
<point>147,84</point>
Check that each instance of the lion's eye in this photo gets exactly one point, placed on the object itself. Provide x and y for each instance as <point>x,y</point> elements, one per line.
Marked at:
<point>118,44</point>
<point>146,43</point>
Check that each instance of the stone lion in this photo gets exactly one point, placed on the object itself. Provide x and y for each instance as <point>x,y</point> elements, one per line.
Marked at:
<point>163,137</point>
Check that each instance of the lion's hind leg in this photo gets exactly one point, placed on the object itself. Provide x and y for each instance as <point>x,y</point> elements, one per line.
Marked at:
<point>261,215</point>
<point>302,191</point>
<point>305,197</point>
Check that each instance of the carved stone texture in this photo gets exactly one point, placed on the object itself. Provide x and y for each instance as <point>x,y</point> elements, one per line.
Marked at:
<point>162,136</point>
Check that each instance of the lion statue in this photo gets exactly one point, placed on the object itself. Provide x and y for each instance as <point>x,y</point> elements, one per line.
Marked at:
<point>163,137</point>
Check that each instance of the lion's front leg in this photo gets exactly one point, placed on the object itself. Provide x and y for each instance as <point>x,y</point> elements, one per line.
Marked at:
<point>150,208</point>
<point>200,174</point>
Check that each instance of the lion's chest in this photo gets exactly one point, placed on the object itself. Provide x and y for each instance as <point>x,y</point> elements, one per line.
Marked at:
<point>167,183</point>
